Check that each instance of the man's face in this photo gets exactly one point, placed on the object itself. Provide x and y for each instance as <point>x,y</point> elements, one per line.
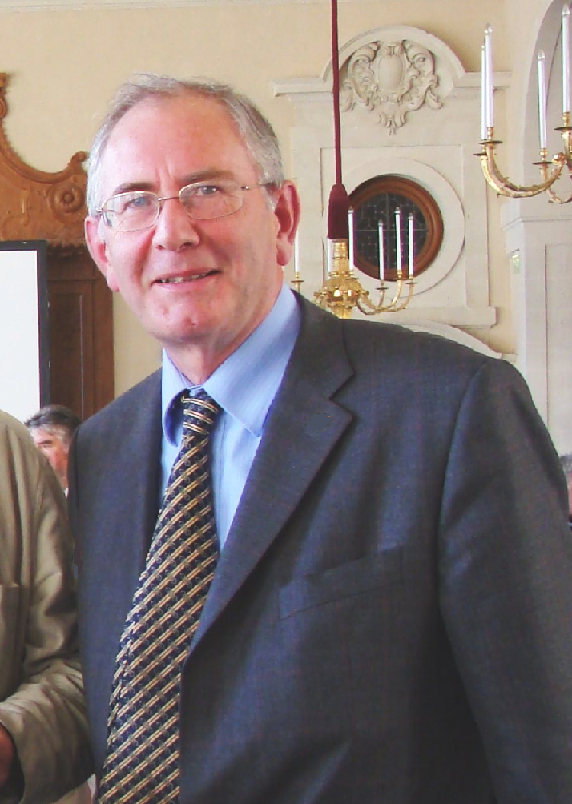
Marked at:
<point>55,449</point>
<point>205,284</point>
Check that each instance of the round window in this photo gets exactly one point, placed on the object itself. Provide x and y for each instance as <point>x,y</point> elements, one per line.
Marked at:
<point>377,200</point>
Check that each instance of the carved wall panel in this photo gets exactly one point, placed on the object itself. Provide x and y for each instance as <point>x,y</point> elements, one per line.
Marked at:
<point>390,79</point>
<point>35,204</point>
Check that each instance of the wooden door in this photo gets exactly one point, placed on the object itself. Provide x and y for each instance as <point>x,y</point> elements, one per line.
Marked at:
<point>80,332</point>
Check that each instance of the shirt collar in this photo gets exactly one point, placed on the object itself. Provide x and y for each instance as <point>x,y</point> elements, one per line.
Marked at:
<point>246,383</point>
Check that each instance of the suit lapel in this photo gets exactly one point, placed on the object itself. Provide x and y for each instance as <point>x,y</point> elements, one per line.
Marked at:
<point>303,426</point>
<point>131,492</point>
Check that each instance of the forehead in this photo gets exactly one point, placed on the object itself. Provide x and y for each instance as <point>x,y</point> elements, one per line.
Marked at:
<point>46,435</point>
<point>163,139</point>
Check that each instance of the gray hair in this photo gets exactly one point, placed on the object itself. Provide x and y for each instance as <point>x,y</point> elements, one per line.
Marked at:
<point>257,133</point>
<point>57,420</point>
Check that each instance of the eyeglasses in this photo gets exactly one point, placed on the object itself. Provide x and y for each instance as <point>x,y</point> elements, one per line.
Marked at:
<point>202,201</point>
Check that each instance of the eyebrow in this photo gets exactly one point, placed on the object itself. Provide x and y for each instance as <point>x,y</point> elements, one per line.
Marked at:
<point>45,442</point>
<point>191,178</point>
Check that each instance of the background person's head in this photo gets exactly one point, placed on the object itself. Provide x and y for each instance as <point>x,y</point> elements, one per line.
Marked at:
<point>52,429</point>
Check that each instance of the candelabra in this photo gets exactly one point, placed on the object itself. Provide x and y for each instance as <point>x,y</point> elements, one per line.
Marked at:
<point>341,291</point>
<point>550,169</point>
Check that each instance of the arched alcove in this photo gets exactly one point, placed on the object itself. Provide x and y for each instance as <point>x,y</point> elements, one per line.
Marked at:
<point>538,237</point>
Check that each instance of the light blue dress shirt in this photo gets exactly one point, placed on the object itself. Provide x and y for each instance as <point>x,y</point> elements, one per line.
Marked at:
<point>244,386</point>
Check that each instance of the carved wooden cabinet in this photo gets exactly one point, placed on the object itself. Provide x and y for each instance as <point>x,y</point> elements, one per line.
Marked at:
<point>35,205</point>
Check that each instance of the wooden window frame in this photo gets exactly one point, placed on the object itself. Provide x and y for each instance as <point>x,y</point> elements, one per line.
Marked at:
<point>426,205</point>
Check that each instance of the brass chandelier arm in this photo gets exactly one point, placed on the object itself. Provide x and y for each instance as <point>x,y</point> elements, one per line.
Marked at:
<point>556,199</point>
<point>397,303</point>
<point>563,160</point>
<point>342,291</point>
<point>550,170</point>
<point>503,186</point>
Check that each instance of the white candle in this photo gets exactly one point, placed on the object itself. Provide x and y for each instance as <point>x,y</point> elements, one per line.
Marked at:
<point>381,250</point>
<point>398,240</point>
<point>411,245</point>
<point>542,99</point>
<point>566,58</point>
<point>489,76</point>
<point>351,237</point>
<point>483,95</point>
<point>297,254</point>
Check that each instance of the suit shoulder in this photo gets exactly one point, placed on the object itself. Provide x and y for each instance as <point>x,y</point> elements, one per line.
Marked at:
<point>392,342</point>
<point>125,408</point>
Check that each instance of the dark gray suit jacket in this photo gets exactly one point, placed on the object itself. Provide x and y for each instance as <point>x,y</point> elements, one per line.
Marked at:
<point>391,618</point>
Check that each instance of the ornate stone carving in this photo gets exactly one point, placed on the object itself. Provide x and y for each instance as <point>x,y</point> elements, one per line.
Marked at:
<point>390,79</point>
<point>35,205</point>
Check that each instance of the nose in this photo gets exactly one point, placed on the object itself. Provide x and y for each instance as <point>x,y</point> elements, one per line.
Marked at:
<point>174,229</point>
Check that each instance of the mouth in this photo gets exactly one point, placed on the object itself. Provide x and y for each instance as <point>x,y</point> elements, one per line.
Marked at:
<point>184,278</point>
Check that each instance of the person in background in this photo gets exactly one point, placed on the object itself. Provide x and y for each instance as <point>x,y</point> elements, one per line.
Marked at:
<point>44,747</point>
<point>566,461</point>
<point>52,429</point>
<point>384,615</point>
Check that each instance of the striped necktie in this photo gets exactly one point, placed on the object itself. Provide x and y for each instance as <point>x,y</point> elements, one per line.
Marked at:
<point>142,763</point>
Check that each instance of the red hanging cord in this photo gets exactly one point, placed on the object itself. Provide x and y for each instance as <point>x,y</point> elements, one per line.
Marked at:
<point>338,203</point>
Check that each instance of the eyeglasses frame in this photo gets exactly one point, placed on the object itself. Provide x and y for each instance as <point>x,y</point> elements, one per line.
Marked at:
<point>102,212</point>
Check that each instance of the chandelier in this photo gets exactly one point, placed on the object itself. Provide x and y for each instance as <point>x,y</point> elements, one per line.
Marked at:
<point>341,290</point>
<point>550,169</point>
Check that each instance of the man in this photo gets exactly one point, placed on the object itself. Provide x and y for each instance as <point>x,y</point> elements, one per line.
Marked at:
<point>389,618</point>
<point>52,429</point>
<point>43,731</point>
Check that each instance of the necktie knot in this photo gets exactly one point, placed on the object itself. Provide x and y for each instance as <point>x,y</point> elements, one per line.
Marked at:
<point>200,413</point>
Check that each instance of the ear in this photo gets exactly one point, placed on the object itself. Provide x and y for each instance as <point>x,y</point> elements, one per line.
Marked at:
<point>98,249</point>
<point>287,212</point>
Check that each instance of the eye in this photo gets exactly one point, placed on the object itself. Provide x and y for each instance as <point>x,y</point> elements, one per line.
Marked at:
<point>127,203</point>
<point>135,202</point>
<point>204,190</point>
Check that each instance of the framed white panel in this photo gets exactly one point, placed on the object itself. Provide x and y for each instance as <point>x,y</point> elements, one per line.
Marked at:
<point>24,367</point>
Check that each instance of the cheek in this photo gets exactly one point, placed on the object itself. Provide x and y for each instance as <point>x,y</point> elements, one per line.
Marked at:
<point>123,255</point>
<point>111,280</point>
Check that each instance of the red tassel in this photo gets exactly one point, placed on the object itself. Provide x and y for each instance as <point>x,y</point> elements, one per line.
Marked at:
<point>338,210</point>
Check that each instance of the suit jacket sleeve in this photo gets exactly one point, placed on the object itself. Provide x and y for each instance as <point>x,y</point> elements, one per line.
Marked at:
<point>506,587</point>
<point>41,695</point>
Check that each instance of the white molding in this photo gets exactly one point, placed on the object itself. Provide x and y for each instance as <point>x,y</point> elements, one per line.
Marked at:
<point>435,148</point>
<point>83,5</point>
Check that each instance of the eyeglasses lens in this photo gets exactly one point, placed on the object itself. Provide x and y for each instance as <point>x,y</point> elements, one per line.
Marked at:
<point>209,201</point>
<point>129,212</point>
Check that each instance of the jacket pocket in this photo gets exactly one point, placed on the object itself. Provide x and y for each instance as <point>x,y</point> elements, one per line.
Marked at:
<point>354,578</point>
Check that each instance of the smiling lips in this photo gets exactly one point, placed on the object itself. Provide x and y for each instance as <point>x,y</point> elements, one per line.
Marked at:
<point>177,280</point>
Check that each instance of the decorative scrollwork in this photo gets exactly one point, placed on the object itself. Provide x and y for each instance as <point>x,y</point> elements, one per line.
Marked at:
<point>37,204</point>
<point>390,79</point>
<point>67,200</point>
